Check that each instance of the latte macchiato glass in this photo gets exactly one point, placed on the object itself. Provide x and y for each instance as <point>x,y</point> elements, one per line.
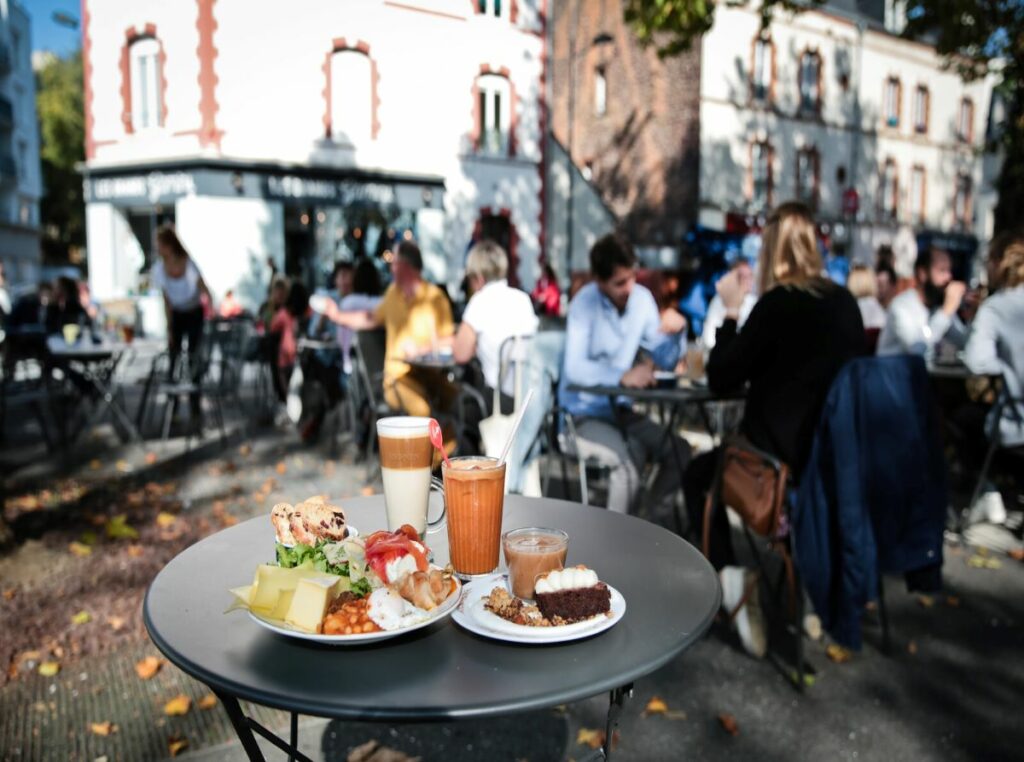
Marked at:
<point>406,457</point>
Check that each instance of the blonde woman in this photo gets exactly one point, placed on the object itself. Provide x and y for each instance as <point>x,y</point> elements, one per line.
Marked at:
<point>864,286</point>
<point>801,331</point>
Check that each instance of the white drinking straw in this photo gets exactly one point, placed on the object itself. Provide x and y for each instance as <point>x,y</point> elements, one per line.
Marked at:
<point>515,427</point>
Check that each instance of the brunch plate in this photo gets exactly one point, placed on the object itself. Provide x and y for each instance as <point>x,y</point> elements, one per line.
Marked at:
<point>435,615</point>
<point>472,615</point>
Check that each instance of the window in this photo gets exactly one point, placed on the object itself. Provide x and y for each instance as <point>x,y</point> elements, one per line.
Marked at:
<point>888,192</point>
<point>962,202</point>
<point>600,92</point>
<point>491,7</point>
<point>965,124</point>
<point>917,195</point>
<point>760,175</point>
<point>351,97</point>
<point>493,114</point>
<point>891,102</point>
<point>761,75</point>
<point>144,56</point>
<point>810,82</point>
<point>22,160</point>
<point>921,103</point>
<point>807,176</point>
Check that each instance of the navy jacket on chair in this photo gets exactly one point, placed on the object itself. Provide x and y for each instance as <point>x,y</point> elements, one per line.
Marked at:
<point>873,494</point>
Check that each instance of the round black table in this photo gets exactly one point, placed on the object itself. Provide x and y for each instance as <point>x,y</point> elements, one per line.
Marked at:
<point>442,671</point>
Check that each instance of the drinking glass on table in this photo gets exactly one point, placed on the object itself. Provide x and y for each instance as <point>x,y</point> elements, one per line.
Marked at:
<point>474,488</point>
<point>406,461</point>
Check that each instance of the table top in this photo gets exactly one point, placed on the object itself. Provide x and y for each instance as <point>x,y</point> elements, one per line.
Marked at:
<point>676,395</point>
<point>441,671</point>
<point>434,362</point>
<point>83,349</point>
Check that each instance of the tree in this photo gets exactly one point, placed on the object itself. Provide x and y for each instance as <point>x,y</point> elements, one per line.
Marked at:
<point>60,105</point>
<point>674,25</point>
<point>979,37</point>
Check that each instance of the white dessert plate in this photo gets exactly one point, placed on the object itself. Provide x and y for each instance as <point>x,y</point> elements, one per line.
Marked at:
<point>446,608</point>
<point>472,616</point>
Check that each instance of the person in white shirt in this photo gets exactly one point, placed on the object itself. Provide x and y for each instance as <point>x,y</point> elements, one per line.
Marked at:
<point>716,309</point>
<point>863,284</point>
<point>495,313</point>
<point>923,317</point>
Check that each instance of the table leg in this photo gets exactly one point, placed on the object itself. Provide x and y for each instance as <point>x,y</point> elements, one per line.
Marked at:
<point>616,700</point>
<point>294,737</point>
<point>241,724</point>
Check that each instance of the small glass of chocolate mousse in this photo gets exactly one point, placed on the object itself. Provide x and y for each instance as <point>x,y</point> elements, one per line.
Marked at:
<point>530,552</point>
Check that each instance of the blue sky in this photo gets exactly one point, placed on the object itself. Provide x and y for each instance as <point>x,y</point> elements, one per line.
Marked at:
<point>48,34</point>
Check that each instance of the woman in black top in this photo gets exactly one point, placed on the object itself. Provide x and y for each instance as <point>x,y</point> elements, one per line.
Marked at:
<point>801,331</point>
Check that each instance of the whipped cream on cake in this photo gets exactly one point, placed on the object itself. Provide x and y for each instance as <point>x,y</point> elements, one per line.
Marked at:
<point>571,595</point>
<point>565,579</point>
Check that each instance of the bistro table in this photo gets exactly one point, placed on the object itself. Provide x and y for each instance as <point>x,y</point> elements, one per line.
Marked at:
<point>96,363</point>
<point>675,398</point>
<point>440,672</point>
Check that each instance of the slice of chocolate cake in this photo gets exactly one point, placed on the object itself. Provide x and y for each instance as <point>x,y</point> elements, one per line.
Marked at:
<point>571,595</point>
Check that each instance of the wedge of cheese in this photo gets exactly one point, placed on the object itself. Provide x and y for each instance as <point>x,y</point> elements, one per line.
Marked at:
<point>310,600</point>
<point>270,585</point>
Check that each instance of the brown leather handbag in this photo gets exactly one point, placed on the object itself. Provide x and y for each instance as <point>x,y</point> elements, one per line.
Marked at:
<point>753,484</point>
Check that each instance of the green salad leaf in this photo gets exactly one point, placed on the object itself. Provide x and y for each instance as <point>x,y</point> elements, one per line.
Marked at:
<point>327,557</point>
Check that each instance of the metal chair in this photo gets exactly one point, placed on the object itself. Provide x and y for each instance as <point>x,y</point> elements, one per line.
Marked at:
<point>370,350</point>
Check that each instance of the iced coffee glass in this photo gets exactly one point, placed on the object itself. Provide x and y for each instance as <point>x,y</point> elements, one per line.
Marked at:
<point>406,458</point>
<point>474,489</point>
<point>530,552</point>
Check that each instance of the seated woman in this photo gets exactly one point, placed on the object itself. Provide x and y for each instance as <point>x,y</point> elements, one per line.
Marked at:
<point>495,313</point>
<point>996,346</point>
<point>801,331</point>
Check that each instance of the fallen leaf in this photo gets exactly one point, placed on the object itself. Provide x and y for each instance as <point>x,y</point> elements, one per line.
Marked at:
<point>49,668</point>
<point>82,617</point>
<point>655,706</point>
<point>79,549</point>
<point>993,563</point>
<point>123,466</point>
<point>217,507</point>
<point>9,593</point>
<point>118,529</point>
<point>209,701</point>
<point>926,601</point>
<point>178,705</point>
<point>838,654</point>
<point>228,520</point>
<point>148,667</point>
<point>30,656</point>
<point>729,724</point>
<point>912,647</point>
<point>88,538</point>
<point>245,450</point>
<point>953,601</point>
<point>102,728</point>
<point>150,458</point>
<point>590,737</point>
<point>366,491</point>
<point>136,551</point>
<point>116,623</point>
<point>1017,554</point>
<point>176,745</point>
<point>281,467</point>
<point>95,465</point>
<point>164,519</point>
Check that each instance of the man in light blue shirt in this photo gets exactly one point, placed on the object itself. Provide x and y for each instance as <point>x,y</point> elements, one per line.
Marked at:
<point>610,320</point>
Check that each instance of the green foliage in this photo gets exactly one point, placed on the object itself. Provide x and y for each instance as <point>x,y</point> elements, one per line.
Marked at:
<point>674,25</point>
<point>60,105</point>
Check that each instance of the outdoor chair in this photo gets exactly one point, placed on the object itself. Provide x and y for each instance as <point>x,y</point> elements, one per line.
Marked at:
<point>996,444</point>
<point>368,387</point>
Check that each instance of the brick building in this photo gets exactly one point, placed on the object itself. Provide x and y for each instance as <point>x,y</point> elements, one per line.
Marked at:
<point>630,121</point>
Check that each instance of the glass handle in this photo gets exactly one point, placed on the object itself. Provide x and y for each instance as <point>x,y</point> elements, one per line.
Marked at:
<point>439,522</point>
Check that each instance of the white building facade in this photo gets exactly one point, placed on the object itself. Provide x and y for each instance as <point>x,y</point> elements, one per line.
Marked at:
<point>21,183</point>
<point>872,130</point>
<point>306,137</point>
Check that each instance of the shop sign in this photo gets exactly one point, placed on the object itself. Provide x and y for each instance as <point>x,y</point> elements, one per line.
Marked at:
<point>153,187</point>
<point>340,192</point>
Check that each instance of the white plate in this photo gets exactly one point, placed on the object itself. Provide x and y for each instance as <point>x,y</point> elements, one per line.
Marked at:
<point>276,625</point>
<point>472,615</point>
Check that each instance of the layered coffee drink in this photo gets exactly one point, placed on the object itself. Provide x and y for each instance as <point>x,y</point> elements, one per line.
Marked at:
<point>474,489</point>
<point>530,553</point>
<point>406,457</point>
